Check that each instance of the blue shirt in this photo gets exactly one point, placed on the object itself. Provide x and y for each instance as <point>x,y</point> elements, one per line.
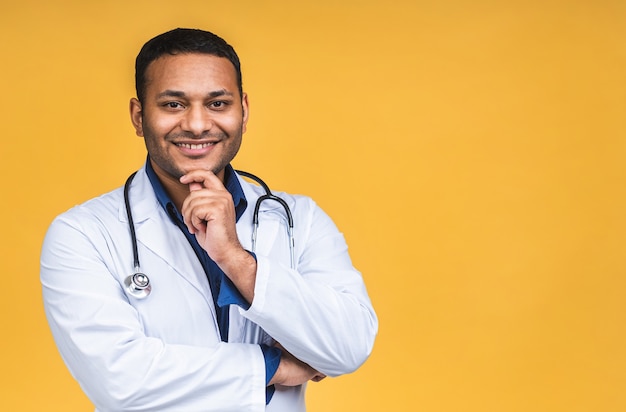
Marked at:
<point>222,288</point>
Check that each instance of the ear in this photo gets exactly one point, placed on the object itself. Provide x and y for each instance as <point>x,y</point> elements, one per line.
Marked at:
<point>136,116</point>
<point>246,111</point>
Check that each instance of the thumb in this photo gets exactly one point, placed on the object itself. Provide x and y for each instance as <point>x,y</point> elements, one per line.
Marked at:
<point>194,186</point>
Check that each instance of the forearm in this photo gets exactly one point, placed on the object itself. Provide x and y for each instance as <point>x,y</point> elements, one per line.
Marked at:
<point>120,368</point>
<point>241,267</point>
<point>330,329</point>
<point>146,356</point>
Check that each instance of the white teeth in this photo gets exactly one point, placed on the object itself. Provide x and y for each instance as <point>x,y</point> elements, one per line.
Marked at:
<point>194,146</point>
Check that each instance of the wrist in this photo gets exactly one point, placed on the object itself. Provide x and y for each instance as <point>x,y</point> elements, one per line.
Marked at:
<point>237,263</point>
<point>277,377</point>
<point>271,356</point>
<point>241,268</point>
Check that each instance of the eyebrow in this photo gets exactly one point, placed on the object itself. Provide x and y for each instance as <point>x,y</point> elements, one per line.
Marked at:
<point>176,93</point>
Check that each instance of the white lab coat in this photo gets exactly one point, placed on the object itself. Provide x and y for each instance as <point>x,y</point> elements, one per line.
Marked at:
<point>163,353</point>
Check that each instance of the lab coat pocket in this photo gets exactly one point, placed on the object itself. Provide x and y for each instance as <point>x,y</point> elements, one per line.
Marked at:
<point>193,322</point>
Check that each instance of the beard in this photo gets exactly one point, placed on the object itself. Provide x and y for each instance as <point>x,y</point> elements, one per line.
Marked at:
<point>220,157</point>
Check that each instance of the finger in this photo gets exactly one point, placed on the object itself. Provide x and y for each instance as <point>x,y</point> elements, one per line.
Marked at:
<point>197,212</point>
<point>205,177</point>
<point>191,214</point>
<point>193,222</point>
<point>199,224</point>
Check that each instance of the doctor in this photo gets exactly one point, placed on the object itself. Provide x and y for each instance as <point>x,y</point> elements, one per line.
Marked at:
<point>224,328</point>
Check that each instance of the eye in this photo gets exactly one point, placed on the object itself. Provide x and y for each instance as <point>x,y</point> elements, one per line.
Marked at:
<point>218,104</point>
<point>172,105</point>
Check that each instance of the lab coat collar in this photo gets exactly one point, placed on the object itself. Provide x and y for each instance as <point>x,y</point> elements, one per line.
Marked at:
<point>157,232</point>
<point>268,229</point>
<point>161,236</point>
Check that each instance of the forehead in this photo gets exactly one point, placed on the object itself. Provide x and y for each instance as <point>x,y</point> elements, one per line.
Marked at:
<point>189,72</point>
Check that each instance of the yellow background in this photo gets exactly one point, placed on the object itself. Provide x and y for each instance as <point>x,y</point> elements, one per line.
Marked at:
<point>473,153</point>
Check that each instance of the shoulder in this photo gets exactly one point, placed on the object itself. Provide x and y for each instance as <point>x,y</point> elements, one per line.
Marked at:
<point>296,202</point>
<point>307,215</point>
<point>99,211</point>
<point>109,208</point>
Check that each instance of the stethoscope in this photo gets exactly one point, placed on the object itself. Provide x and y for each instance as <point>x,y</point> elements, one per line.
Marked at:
<point>138,284</point>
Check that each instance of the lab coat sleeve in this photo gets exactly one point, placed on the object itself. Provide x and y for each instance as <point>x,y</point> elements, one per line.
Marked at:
<point>320,312</point>
<point>101,339</point>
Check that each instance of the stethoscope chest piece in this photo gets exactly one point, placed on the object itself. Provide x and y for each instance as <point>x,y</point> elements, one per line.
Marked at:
<point>138,285</point>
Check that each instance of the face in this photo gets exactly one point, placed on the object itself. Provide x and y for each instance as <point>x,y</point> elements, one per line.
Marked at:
<point>192,116</point>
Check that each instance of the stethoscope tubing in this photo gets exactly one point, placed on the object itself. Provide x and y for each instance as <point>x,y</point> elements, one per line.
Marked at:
<point>131,223</point>
<point>138,284</point>
<point>255,216</point>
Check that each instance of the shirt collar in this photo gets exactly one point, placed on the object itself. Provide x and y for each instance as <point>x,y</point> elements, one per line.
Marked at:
<point>230,182</point>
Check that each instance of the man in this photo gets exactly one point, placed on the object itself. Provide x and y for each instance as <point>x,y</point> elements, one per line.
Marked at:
<point>222,327</point>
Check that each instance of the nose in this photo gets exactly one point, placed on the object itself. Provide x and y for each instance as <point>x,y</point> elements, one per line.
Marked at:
<point>197,120</point>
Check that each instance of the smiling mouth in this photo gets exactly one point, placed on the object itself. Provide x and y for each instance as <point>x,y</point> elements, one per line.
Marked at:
<point>194,146</point>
